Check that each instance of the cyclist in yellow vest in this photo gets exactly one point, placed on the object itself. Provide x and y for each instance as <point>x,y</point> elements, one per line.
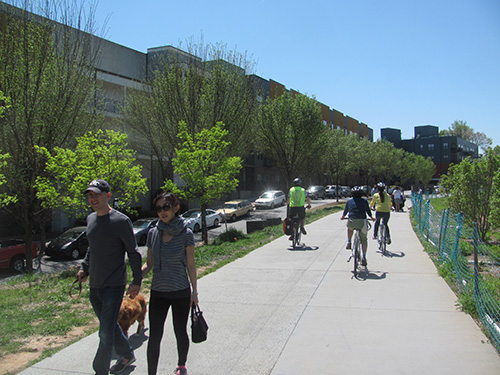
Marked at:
<point>297,198</point>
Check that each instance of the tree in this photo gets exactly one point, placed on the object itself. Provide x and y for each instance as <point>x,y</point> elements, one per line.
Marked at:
<point>471,188</point>
<point>207,85</point>
<point>204,166</point>
<point>338,158</point>
<point>460,129</point>
<point>416,169</point>
<point>291,130</point>
<point>101,154</point>
<point>386,161</point>
<point>46,72</point>
<point>5,199</point>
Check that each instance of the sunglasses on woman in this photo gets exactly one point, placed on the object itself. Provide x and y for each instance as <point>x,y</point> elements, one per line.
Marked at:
<point>165,207</point>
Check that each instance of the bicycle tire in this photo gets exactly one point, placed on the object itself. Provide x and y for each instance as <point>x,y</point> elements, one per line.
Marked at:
<point>294,234</point>
<point>357,257</point>
<point>383,238</point>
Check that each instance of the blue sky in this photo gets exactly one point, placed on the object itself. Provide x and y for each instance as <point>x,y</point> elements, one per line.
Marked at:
<point>389,63</point>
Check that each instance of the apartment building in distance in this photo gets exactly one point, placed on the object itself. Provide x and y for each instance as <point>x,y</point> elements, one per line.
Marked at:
<point>443,150</point>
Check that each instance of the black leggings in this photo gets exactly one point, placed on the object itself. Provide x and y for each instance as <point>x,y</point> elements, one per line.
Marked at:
<point>386,216</point>
<point>158,309</point>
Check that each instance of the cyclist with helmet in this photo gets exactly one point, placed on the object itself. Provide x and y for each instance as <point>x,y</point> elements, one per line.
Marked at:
<point>382,203</point>
<point>357,209</point>
<point>297,198</point>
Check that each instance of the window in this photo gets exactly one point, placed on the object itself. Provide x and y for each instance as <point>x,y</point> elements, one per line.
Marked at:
<point>421,147</point>
<point>431,146</point>
<point>445,144</point>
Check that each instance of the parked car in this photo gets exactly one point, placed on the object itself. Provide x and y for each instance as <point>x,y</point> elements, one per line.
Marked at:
<point>72,244</point>
<point>332,191</point>
<point>271,199</point>
<point>193,219</point>
<point>346,191</point>
<point>13,254</point>
<point>316,192</point>
<point>234,209</point>
<point>141,228</point>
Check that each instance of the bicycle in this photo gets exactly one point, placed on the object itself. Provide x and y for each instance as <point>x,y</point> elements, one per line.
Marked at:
<point>382,237</point>
<point>296,233</point>
<point>356,251</point>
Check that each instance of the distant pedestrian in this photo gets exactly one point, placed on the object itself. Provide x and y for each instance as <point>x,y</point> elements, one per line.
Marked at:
<point>398,198</point>
<point>170,254</point>
<point>110,237</point>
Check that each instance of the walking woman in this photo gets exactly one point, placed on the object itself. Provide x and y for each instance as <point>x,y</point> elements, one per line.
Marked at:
<point>382,203</point>
<point>170,253</point>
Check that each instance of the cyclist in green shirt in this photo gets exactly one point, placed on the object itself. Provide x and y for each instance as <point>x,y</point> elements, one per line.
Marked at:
<point>297,198</point>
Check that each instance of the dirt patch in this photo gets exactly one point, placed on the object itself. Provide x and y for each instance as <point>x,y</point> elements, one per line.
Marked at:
<point>34,346</point>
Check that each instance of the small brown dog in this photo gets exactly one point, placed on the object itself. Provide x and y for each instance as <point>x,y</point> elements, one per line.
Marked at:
<point>132,310</point>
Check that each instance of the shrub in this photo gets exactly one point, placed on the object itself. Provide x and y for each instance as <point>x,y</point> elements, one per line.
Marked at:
<point>231,235</point>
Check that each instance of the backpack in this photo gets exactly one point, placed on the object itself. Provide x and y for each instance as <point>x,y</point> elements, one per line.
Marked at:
<point>287,226</point>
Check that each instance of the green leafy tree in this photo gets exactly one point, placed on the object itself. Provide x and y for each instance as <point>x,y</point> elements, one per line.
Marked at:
<point>386,161</point>
<point>416,169</point>
<point>44,70</point>
<point>291,130</point>
<point>471,188</point>
<point>459,128</point>
<point>339,160</point>
<point>101,154</point>
<point>204,166</point>
<point>5,199</point>
<point>207,85</point>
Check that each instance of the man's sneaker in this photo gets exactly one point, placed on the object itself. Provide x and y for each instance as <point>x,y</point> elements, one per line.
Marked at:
<point>348,246</point>
<point>388,241</point>
<point>303,230</point>
<point>180,370</point>
<point>290,238</point>
<point>121,364</point>
<point>374,237</point>
<point>363,262</point>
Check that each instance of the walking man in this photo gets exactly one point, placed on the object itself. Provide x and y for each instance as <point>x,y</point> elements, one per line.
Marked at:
<point>110,236</point>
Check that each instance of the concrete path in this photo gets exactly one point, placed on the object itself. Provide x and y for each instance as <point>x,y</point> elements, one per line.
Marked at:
<point>280,311</point>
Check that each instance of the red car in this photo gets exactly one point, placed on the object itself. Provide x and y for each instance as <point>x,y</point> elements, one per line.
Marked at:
<point>13,254</point>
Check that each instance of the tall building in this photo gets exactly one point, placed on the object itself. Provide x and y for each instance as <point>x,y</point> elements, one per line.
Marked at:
<point>443,150</point>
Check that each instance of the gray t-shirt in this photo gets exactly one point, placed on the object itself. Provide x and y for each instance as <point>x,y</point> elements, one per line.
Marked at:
<point>110,237</point>
<point>169,272</point>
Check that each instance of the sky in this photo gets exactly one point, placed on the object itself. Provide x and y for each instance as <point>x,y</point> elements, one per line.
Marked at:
<point>389,64</point>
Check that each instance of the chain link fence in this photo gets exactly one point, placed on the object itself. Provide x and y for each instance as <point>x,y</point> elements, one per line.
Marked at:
<point>473,265</point>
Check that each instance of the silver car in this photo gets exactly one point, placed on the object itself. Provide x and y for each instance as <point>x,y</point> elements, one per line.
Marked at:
<point>271,199</point>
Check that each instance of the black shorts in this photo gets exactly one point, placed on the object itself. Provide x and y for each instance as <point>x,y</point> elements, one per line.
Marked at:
<point>300,211</point>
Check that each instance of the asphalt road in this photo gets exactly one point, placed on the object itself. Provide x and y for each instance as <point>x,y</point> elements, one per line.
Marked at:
<point>50,265</point>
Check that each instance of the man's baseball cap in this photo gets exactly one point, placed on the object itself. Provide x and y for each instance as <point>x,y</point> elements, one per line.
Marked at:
<point>98,186</point>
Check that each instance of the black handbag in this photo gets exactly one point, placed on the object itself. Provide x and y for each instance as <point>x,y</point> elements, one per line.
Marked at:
<point>199,326</point>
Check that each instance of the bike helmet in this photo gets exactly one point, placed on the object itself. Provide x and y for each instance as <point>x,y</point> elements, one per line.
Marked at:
<point>297,182</point>
<point>381,186</point>
<point>357,191</point>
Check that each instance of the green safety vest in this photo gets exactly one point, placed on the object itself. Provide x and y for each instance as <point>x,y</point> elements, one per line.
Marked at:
<point>297,197</point>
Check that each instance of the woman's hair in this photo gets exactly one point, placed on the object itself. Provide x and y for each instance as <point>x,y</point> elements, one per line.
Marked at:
<point>381,194</point>
<point>169,197</point>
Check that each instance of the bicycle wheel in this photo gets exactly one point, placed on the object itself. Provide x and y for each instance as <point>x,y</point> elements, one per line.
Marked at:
<point>357,255</point>
<point>298,237</point>
<point>294,233</point>
<point>383,238</point>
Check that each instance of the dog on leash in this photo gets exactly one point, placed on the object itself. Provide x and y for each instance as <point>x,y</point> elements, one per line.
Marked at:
<point>132,310</point>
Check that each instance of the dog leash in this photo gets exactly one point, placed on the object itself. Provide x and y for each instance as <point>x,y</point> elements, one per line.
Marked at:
<point>79,291</point>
